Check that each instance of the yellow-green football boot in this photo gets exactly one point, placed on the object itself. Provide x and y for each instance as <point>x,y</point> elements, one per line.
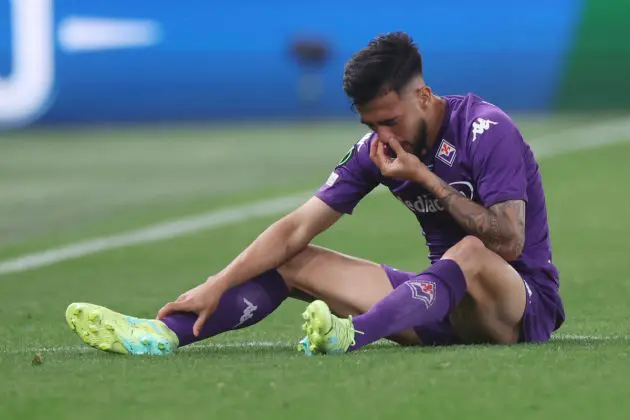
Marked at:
<point>110,331</point>
<point>325,333</point>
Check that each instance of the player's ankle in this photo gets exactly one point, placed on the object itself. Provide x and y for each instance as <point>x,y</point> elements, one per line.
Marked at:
<point>169,333</point>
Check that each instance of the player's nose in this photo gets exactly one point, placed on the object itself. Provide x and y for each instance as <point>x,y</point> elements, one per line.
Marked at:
<point>384,132</point>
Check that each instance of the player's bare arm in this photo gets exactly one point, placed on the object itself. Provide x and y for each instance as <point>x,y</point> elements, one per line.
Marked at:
<point>279,243</point>
<point>500,227</point>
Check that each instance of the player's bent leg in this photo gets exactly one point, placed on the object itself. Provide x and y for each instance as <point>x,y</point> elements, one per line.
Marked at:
<point>494,304</point>
<point>350,286</point>
<point>495,300</point>
<point>500,305</point>
<point>424,299</point>
<point>484,296</point>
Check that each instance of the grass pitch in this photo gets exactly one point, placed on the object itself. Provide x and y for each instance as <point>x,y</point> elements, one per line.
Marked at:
<point>63,186</point>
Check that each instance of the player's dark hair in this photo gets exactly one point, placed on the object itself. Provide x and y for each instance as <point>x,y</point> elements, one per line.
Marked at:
<point>386,64</point>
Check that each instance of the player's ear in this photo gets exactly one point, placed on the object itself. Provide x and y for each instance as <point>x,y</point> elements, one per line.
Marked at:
<point>420,98</point>
<point>425,95</point>
<point>421,92</point>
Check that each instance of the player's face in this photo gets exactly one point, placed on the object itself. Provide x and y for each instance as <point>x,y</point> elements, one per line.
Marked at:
<point>399,116</point>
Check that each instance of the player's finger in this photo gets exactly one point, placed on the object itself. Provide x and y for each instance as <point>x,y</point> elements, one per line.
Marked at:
<point>378,161</point>
<point>395,144</point>
<point>172,307</point>
<point>201,321</point>
<point>380,154</point>
<point>373,147</point>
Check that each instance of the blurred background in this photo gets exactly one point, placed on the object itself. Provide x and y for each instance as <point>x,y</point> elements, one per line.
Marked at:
<point>117,113</point>
<point>68,62</point>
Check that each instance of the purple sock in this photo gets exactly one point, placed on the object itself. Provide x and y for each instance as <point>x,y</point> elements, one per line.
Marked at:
<point>239,307</point>
<point>424,299</point>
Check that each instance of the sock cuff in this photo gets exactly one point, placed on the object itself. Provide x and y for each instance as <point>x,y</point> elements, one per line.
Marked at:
<point>274,281</point>
<point>451,275</point>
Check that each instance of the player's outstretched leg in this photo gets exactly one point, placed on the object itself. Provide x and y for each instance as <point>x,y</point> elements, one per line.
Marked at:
<point>466,270</point>
<point>239,307</point>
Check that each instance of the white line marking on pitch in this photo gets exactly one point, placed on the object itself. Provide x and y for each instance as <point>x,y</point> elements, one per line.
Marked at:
<point>273,344</point>
<point>580,138</point>
<point>180,227</point>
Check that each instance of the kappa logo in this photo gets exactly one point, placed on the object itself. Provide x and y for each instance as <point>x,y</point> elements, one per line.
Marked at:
<point>446,153</point>
<point>423,290</point>
<point>332,179</point>
<point>480,126</point>
<point>248,312</point>
<point>363,140</point>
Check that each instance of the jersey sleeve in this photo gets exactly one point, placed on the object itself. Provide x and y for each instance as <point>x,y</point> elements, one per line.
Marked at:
<point>497,152</point>
<point>353,178</point>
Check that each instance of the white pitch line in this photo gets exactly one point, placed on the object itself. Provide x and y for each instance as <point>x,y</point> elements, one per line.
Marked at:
<point>276,344</point>
<point>580,138</point>
<point>168,230</point>
<point>581,337</point>
<point>196,347</point>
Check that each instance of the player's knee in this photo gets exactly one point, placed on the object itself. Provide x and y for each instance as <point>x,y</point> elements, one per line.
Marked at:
<point>467,253</point>
<point>466,250</point>
<point>471,244</point>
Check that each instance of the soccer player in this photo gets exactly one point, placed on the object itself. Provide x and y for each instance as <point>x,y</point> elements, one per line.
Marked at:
<point>458,163</point>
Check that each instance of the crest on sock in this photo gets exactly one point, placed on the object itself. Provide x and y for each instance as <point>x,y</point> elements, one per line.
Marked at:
<point>423,290</point>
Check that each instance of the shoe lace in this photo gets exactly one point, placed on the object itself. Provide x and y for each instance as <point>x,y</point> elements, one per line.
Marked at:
<point>346,335</point>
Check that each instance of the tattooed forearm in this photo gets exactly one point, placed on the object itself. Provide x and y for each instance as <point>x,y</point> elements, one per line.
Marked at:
<point>501,227</point>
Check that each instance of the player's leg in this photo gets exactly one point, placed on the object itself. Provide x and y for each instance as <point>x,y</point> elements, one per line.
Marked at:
<point>494,303</point>
<point>484,296</point>
<point>351,286</point>
<point>239,307</point>
<point>500,305</point>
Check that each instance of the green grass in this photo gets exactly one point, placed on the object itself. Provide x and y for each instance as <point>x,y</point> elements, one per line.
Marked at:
<point>571,376</point>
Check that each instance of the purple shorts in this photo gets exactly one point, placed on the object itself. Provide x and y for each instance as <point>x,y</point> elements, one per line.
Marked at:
<point>543,315</point>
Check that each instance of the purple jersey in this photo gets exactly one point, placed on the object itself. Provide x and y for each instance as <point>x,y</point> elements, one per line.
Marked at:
<point>481,153</point>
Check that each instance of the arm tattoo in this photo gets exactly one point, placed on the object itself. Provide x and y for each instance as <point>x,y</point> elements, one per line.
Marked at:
<point>501,227</point>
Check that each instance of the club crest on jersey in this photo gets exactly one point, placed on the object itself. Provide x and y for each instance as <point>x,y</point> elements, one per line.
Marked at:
<point>423,290</point>
<point>446,153</point>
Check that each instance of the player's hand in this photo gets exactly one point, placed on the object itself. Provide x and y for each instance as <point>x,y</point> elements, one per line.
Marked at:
<point>202,300</point>
<point>404,166</point>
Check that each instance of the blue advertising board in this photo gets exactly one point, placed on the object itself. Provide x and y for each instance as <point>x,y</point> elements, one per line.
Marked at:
<point>64,61</point>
